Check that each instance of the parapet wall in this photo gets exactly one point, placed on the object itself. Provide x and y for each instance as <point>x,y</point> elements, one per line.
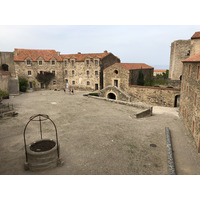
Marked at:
<point>159,96</point>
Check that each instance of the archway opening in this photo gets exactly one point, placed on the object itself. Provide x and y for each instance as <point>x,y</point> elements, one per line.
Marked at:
<point>177,101</point>
<point>111,96</point>
<point>5,67</point>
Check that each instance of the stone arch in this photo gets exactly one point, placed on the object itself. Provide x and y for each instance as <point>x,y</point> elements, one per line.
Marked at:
<point>5,67</point>
<point>111,95</point>
<point>177,101</point>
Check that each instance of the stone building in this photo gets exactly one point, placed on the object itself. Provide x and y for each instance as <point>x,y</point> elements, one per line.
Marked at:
<point>159,71</point>
<point>78,71</point>
<point>8,79</point>
<point>190,96</point>
<point>29,62</point>
<point>181,50</point>
<point>85,71</point>
<point>122,75</point>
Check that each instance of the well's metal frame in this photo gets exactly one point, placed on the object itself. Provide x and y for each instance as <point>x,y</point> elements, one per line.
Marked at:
<point>41,117</point>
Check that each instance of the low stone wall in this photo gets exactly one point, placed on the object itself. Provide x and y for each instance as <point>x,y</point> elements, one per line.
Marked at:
<point>147,110</point>
<point>154,95</point>
<point>4,82</point>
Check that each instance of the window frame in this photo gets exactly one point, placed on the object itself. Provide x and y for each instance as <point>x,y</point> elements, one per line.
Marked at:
<point>30,73</point>
<point>28,64</point>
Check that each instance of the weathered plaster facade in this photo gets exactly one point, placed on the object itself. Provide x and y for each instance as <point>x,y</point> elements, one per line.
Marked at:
<point>190,97</point>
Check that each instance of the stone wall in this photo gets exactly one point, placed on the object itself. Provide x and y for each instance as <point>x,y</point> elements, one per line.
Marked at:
<point>179,50</point>
<point>85,77</point>
<point>116,73</point>
<point>153,95</point>
<point>119,94</point>
<point>22,71</point>
<point>190,100</point>
<point>7,58</point>
<point>4,81</point>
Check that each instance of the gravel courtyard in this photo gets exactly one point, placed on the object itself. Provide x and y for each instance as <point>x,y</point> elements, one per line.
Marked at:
<point>96,137</point>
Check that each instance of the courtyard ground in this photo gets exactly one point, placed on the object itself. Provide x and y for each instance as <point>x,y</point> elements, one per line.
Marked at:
<point>96,137</point>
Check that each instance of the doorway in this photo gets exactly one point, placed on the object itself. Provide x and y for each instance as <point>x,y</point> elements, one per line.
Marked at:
<point>177,101</point>
<point>96,86</point>
<point>30,85</point>
<point>66,83</point>
<point>111,96</point>
<point>116,83</point>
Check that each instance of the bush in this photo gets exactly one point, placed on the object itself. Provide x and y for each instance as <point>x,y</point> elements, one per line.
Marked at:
<point>4,94</point>
<point>45,78</point>
<point>23,84</point>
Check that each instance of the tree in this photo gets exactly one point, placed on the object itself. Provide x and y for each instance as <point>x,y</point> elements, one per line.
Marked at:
<point>149,80</point>
<point>45,78</point>
<point>23,84</point>
<point>140,79</point>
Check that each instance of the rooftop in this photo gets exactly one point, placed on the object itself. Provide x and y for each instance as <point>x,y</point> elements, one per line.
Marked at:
<point>195,58</point>
<point>34,54</point>
<point>133,66</point>
<point>196,35</point>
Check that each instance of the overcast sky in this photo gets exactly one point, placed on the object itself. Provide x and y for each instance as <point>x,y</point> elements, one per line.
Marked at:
<point>132,44</point>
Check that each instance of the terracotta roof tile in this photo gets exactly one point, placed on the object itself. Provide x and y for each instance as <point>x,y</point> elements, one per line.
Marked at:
<point>34,54</point>
<point>81,57</point>
<point>160,70</point>
<point>132,66</point>
<point>196,35</point>
<point>195,58</point>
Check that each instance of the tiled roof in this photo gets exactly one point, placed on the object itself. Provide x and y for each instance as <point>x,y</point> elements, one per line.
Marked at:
<point>81,57</point>
<point>159,70</point>
<point>34,54</point>
<point>5,73</point>
<point>195,58</point>
<point>132,66</point>
<point>196,35</point>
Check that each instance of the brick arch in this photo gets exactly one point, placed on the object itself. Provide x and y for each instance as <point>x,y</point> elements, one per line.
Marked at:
<point>4,67</point>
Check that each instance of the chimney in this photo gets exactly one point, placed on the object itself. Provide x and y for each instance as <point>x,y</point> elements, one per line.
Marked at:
<point>79,52</point>
<point>58,53</point>
<point>105,51</point>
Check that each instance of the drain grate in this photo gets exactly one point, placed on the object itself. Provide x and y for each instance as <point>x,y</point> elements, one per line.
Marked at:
<point>153,145</point>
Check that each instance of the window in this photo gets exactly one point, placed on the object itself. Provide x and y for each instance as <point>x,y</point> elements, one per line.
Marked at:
<point>53,62</point>
<point>87,62</point>
<point>198,72</point>
<point>54,82</point>
<point>195,99</point>
<point>72,72</point>
<point>28,62</point>
<point>88,82</point>
<point>88,73</point>
<point>73,82</point>
<point>193,125</point>
<point>40,62</point>
<point>65,63</point>
<point>96,62</point>
<point>189,70</point>
<point>54,73</point>
<point>29,73</point>
<point>72,62</point>
<point>116,71</point>
<point>41,72</point>
<point>96,73</point>
<point>187,90</point>
<point>65,72</point>
<point>116,83</point>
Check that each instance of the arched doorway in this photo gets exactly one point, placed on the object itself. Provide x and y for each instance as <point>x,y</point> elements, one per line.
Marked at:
<point>177,101</point>
<point>111,96</point>
<point>5,67</point>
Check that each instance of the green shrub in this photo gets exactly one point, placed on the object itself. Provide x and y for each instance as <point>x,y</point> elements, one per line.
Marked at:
<point>4,94</point>
<point>140,79</point>
<point>23,84</point>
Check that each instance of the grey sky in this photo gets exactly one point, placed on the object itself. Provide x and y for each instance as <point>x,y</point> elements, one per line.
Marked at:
<point>132,44</point>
